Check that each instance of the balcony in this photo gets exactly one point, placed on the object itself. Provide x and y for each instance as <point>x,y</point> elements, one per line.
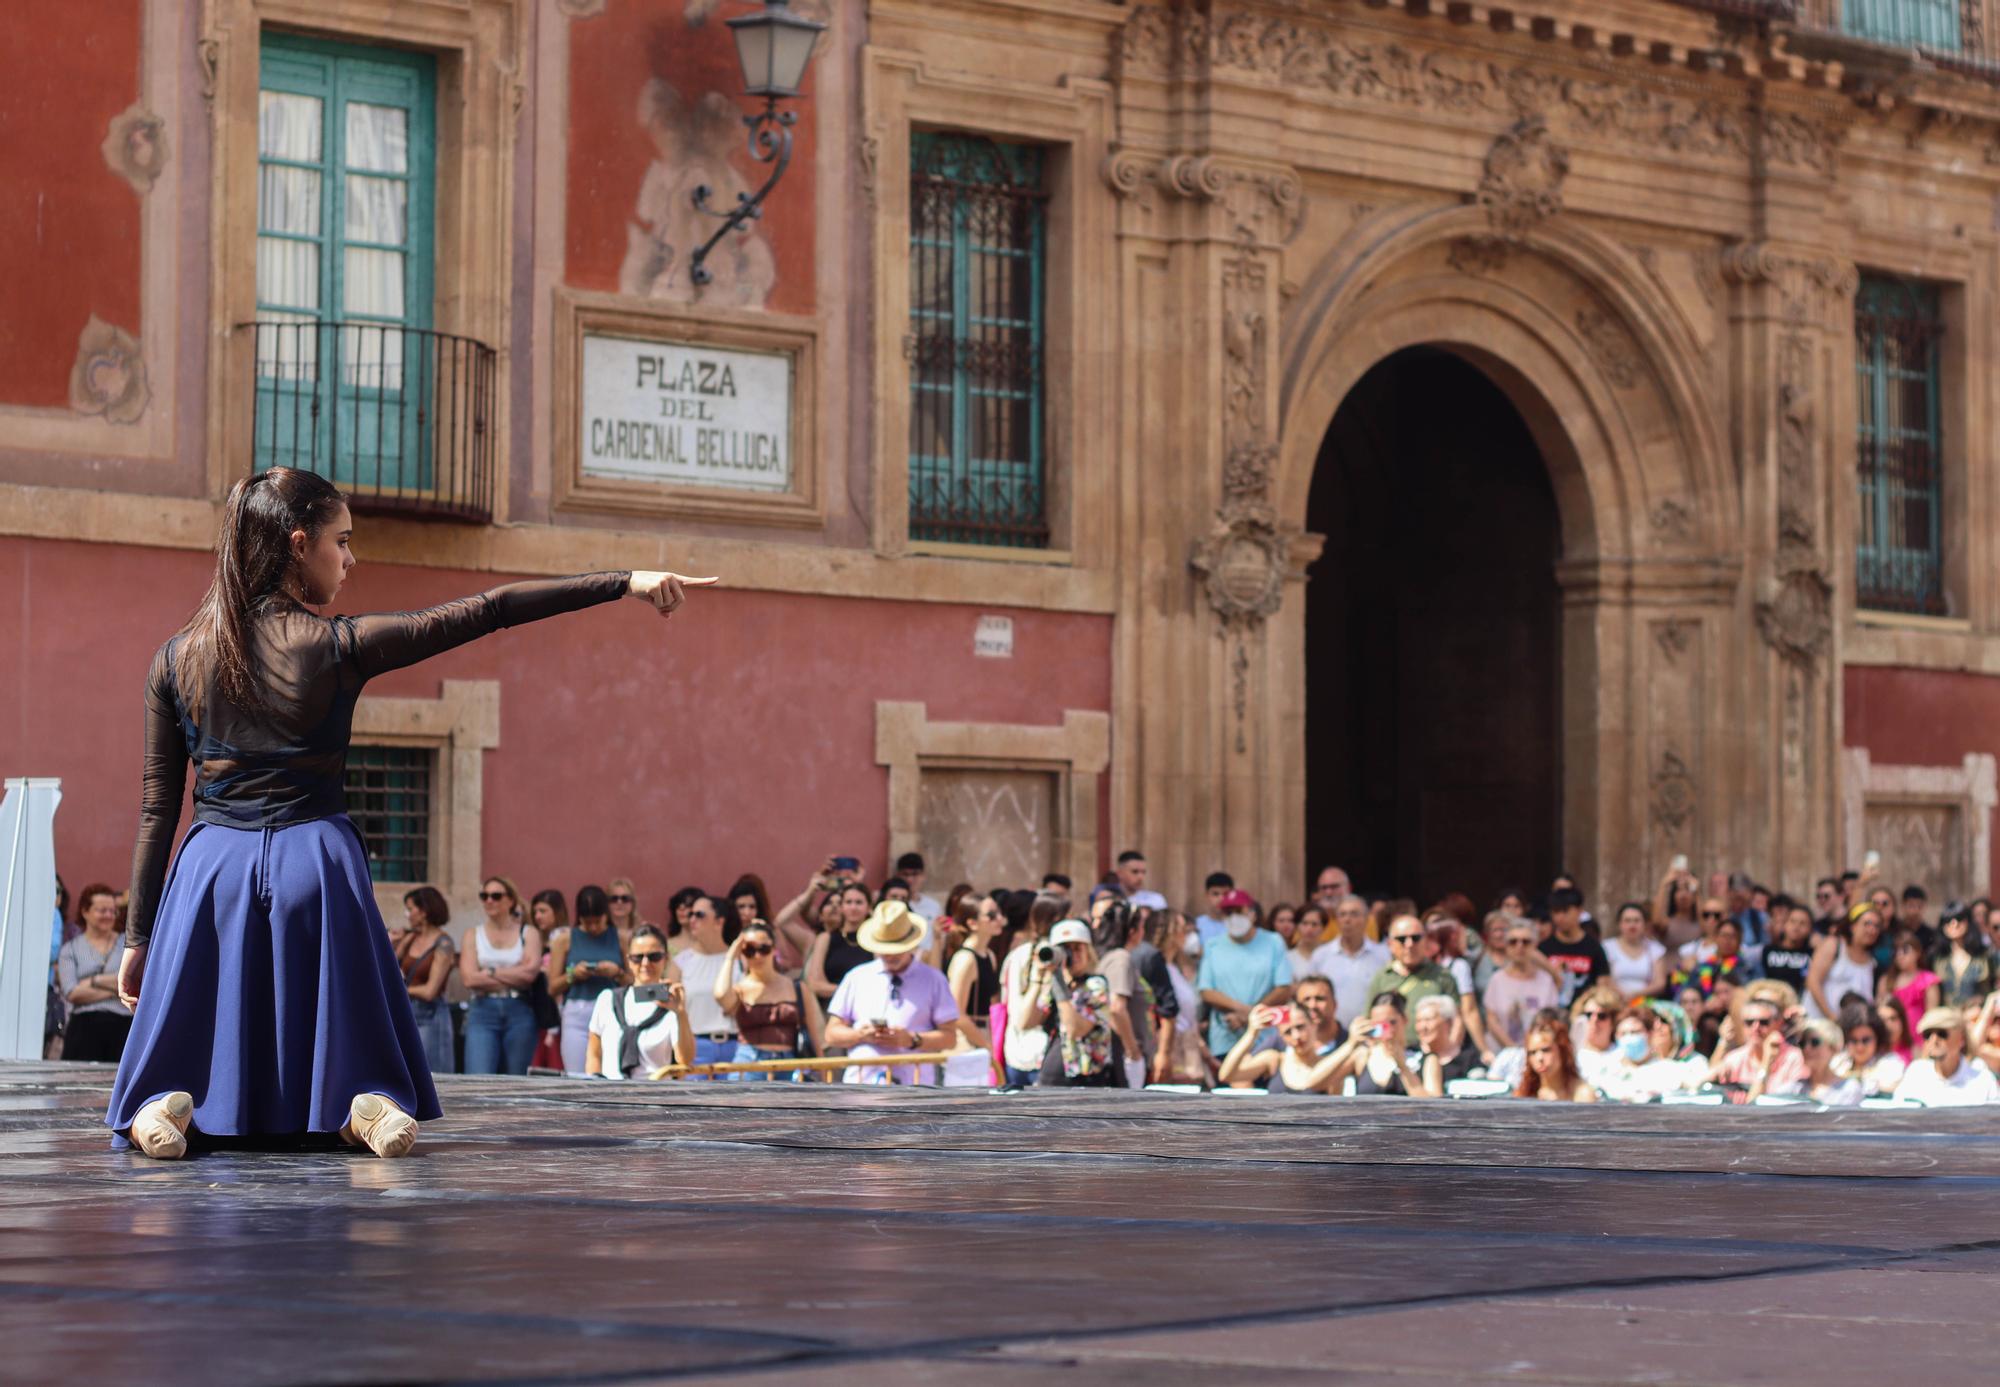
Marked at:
<point>400,418</point>
<point>1954,34</point>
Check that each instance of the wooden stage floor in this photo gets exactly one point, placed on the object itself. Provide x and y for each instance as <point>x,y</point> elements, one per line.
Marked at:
<point>551,1230</point>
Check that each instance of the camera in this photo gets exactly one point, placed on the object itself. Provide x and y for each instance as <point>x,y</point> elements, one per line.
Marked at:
<point>651,992</point>
<point>1046,953</point>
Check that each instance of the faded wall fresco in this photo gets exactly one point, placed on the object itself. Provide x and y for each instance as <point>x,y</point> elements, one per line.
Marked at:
<point>69,219</point>
<point>656,110</point>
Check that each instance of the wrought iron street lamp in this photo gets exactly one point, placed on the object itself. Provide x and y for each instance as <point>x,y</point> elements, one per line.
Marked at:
<point>773,45</point>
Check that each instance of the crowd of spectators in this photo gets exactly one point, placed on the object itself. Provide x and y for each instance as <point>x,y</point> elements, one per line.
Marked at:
<point>1705,992</point>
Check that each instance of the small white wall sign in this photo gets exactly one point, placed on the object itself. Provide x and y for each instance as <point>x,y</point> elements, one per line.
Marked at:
<point>682,412</point>
<point>993,638</point>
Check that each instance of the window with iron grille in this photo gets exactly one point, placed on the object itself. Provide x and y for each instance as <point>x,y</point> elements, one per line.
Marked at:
<point>389,799</point>
<point>978,260</point>
<point>1904,23</point>
<point>1899,553</point>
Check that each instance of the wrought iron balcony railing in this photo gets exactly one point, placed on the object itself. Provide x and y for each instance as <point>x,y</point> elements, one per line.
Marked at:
<point>401,418</point>
<point>1951,33</point>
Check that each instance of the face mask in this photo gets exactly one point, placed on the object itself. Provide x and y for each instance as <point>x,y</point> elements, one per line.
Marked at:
<point>1634,1046</point>
<point>1240,926</point>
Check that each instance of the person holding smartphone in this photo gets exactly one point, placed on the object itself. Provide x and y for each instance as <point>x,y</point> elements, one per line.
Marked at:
<point>635,1030</point>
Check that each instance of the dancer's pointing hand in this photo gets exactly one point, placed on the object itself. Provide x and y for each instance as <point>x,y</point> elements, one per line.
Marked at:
<point>666,591</point>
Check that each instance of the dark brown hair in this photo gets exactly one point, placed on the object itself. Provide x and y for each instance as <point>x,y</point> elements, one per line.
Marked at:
<point>89,894</point>
<point>430,903</point>
<point>253,553</point>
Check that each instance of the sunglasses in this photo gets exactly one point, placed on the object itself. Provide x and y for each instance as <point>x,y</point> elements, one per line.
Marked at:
<point>1711,915</point>
<point>1811,1042</point>
<point>1762,1023</point>
<point>755,950</point>
<point>1935,1035</point>
<point>492,895</point>
<point>1405,938</point>
<point>650,956</point>
<point>1594,1015</point>
<point>1520,943</point>
<point>621,899</point>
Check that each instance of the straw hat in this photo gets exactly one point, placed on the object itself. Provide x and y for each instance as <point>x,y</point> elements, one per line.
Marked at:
<point>891,928</point>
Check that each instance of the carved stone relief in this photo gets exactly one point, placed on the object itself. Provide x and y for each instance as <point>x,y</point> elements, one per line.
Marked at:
<point>1478,255</point>
<point>1308,58</point>
<point>1674,636</point>
<point>1259,205</point>
<point>109,375</point>
<point>1522,184</point>
<point>1672,519</point>
<point>1932,824</point>
<point>1673,800</point>
<point>1795,613</point>
<point>135,147</point>
<point>1611,347</point>
<point>987,825</point>
<point>1811,289</point>
<point>1245,335</point>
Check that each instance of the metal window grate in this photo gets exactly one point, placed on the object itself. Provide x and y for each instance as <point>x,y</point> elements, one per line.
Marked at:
<point>389,799</point>
<point>1899,552</point>
<point>978,246</point>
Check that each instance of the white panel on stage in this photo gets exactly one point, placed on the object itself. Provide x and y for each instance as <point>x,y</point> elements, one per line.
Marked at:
<point>27,911</point>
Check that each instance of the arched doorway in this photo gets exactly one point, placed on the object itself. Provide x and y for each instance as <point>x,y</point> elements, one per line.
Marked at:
<point>1433,638</point>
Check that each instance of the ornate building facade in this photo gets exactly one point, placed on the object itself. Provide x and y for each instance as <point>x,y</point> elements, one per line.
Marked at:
<point>1455,439</point>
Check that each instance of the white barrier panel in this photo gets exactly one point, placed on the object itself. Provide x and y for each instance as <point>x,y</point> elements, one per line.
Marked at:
<point>27,911</point>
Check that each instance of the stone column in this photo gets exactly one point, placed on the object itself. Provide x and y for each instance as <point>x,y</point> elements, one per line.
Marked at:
<point>1204,217</point>
<point>1791,316</point>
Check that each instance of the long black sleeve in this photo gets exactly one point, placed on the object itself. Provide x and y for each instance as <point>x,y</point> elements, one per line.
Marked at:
<point>392,640</point>
<point>162,784</point>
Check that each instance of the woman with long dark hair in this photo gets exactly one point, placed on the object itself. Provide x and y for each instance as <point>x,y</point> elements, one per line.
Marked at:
<point>269,1001</point>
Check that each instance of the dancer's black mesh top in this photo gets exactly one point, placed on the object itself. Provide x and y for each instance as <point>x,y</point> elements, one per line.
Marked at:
<point>285,763</point>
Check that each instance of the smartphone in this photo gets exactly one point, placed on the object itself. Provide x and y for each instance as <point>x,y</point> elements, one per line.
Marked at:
<point>1281,1016</point>
<point>880,1023</point>
<point>847,864</point>
<point>1680,862</point>
<point>1871,861</point>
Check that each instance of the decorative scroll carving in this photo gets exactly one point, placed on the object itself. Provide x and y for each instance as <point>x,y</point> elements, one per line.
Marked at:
<point>1478,255</point>
<point>208,57</point>
<point>1245,328</point>
<point>1795,444</point>
<point>1306,56</point>
<point>870,154</point>
<point>1672,519</point>
<point>1260,205</point>
<point>1811,289</point>
<point>1673,799</point>
<point>109,377</point>
<point>1674,636</point>
<point>1611,347</point>
<point>1523,181</point>
<point>1795,615</point>
<point>135,147</point>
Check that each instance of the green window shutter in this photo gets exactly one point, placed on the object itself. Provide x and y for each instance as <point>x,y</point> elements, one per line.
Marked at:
<point>1930,24</point>
<point>1899,439</point>
<point>978,398</point>
<point>347,150</point>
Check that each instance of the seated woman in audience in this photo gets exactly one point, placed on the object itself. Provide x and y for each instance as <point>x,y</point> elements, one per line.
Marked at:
<point>1964,963</point>
<point>1593,1019</point>
<point>1647,1066</point>
<point>679,932</point>
<point>1820,1043</point>
<point>1896,1021</point>
<point>1676,912</point>
<point>772,1012</point>
<point>427,956</point>
<point>635,1030</point>
<point>1906,978</point>
<point>1295,1067</point>
<point>835,953</point>
<point>1551,1073</point>
<point>1868,1058</point>
<point>1377,1051</point>
<point>1441,1042</point>
<point>972,970</point>
<point>1638,961</point>
<point>1844,963</point>
<point>748,901</point>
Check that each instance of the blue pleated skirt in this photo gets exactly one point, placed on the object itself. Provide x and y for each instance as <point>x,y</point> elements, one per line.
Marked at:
<point>271,992</point>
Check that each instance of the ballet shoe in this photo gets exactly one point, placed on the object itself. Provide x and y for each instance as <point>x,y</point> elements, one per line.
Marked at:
<point>160,1129</point>
<point>381,1126</point>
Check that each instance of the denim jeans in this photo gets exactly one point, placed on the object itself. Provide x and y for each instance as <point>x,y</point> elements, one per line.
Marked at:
<point>746,1053</point>
<point>434,1029</point>
<point>499,1035</point>
<point>1022,1078</point>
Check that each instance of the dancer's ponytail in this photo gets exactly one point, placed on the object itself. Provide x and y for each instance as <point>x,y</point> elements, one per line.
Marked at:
<point>253,553</point>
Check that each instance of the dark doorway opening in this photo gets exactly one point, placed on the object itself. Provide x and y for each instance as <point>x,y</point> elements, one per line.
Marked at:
<point>1433,639</point>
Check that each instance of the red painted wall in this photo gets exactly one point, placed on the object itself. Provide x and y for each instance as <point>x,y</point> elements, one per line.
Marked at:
<point>739,735</point>
<point>69,226</point>
<point>685,43</point>
<point>1921,717</point>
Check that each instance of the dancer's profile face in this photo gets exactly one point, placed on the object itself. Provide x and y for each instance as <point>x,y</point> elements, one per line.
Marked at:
<point>323,560</point>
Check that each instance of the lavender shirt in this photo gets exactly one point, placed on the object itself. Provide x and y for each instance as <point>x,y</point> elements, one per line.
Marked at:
<point>917,999</point>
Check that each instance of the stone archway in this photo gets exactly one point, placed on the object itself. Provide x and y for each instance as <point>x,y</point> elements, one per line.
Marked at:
<point>1607,380</point>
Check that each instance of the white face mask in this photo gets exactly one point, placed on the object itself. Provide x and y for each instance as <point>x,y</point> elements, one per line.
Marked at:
<point>1239,926</point>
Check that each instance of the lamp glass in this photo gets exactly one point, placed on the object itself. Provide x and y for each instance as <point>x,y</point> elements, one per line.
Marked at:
<point>753,51</point>
<point>774,45</point>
